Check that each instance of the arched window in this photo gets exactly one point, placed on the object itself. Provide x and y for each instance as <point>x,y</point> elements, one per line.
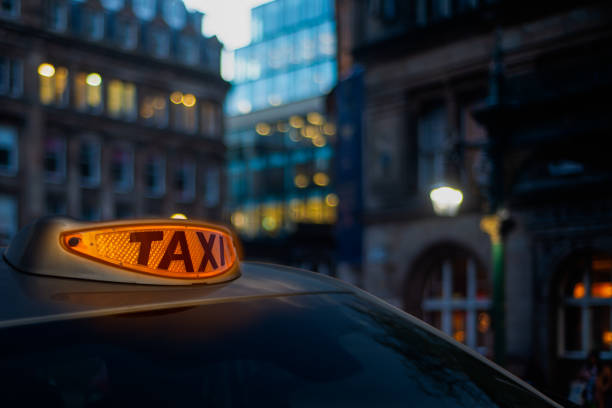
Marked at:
<point>585,318</point>
<point>457,298</point>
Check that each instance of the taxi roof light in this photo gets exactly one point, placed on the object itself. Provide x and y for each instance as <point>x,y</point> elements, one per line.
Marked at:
<point>166,252</point>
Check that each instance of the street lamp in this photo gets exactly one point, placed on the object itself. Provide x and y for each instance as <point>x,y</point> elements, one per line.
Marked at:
<point>446,200</point>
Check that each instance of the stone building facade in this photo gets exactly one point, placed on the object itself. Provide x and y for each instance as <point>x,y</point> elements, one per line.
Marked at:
<point>442,80</point>
<point>108,109</point>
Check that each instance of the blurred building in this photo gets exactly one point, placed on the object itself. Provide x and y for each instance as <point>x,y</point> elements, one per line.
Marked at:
<point>108,109</point>
<point>279,139</point>
<point>443,79</point>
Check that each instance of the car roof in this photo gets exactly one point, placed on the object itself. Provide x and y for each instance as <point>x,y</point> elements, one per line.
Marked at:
<point>30,299</point>
<point>27,299</point>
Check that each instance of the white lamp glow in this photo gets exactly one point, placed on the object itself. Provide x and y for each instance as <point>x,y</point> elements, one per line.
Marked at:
<point>446,200</point>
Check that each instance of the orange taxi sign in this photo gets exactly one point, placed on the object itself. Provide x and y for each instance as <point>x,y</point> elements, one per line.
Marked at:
<point>172,250</point>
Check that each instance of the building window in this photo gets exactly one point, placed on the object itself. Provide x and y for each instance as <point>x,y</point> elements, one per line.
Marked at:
<point>160,43</point>
<point>89,163</point>
<point>55,159</point>
<point>92,24</point>
<point>440,9</point>
<point>58,15</point>
<point>88,92</point>
<point>11,76</point>
<point>211,119</point>
<point>184,112</point>
<point>212,187</point>
<point>126,34</point>
<point>184,181</point>
<point>123,210</point>
<point>144,9</point>
<point>585,315</point>
<point>122,169</point>
<point>8,218</point>
<point>8,151</point>
<point>421,12</point>
<point>56,204</point>
<point>155,176</point>
<point>154,110</point>
<point>432,147</point>
<point>189,50</point>
<point>9,8</point>
<point>90,209</point>
<point>52,85</point>
<point>457,299</point>
<point>121,99</point>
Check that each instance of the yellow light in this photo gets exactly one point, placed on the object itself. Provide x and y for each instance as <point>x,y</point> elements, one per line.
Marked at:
<point>282,127</point>
<point>159,103</point>
<point>329,129</point>
<point>177,249</point>
<point>263,129</point>
<point>296,122</point>
<point>602,264</point>
<point>147,111</point>
<point>579,291</point>
<point>238,219</point>
<point>176,97</point>
<point>268,223</point>
<point>93,79</point>
<point>189,100</point>
<point>178,216</point>
<point>459,336</point>
<point>311,132</point>
<point>46,70</point>
<point>315,118</point>
<point>300,181</point>
<point>446,200</point>
<point>319,141</point>
<point>607,338</point>
<point>601,290</point>
<point>332,200</point>
<point>321,179</point>
<point>484,322</point>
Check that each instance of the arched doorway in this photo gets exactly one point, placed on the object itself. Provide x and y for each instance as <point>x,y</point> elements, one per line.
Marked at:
<point>455,294</point>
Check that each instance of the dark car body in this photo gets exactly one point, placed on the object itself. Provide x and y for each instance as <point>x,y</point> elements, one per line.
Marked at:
<point>274,337</point>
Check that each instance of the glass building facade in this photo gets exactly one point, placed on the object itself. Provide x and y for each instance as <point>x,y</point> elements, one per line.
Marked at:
<point>279,139</point>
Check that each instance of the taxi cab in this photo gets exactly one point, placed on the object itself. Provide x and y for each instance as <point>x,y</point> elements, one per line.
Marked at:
<point>164,313</point>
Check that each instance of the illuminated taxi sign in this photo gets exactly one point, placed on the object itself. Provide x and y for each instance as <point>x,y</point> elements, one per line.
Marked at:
<point>174,252</point>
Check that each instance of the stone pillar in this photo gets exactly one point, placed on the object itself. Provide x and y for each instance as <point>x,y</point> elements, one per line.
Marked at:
<point>140,157</point>
<point>107,211</point>
<point>73,195</point>
<point>31,148</point>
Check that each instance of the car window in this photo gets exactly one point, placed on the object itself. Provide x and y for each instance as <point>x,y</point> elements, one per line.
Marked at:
<point>298,351</point>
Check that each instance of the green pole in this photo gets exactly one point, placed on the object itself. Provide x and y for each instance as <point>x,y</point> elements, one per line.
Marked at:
<point>499,315</point>
<point>491,225</point>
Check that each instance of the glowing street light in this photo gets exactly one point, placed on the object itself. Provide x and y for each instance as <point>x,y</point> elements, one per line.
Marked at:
<point>446,200</point>
<point>46,70</point>
<point>93,79</point>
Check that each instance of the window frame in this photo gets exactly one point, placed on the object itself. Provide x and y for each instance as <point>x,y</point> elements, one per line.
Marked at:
<point>12,167</point>
<point>471,304</point>
<point>585,304</point>
<point>93,180</point>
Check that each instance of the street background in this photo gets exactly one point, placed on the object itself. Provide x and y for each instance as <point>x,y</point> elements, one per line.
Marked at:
<point>446,155</point>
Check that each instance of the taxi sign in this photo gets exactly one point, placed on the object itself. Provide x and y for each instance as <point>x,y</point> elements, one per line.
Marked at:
<point>175,251</point>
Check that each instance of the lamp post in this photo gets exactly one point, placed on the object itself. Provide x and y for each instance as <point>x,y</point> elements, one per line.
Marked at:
<point>497,221</point>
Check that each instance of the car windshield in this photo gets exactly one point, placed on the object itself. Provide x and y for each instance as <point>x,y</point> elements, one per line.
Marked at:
<point>298,351</point>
